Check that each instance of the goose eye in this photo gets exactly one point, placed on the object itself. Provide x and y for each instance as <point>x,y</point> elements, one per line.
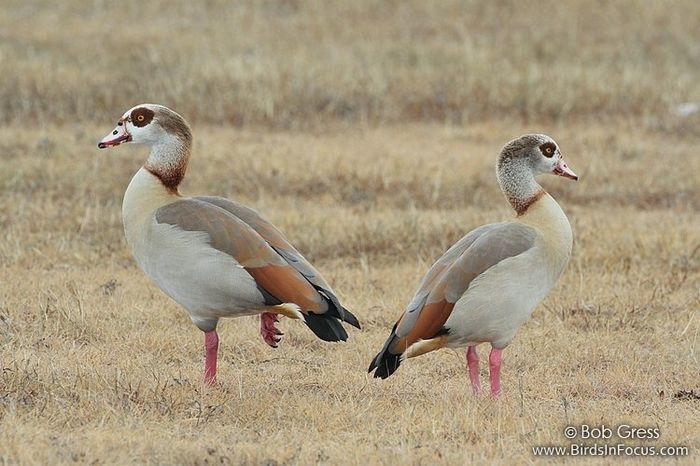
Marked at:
<point>547,149</point>
<point>141,116</point>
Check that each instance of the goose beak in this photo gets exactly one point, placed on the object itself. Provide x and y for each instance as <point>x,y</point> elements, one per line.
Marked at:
<point>117,136</point>
<point>562,169</point>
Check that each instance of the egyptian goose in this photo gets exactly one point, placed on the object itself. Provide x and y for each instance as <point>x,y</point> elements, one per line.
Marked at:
<point>214,257</point>
<point>487,285</point>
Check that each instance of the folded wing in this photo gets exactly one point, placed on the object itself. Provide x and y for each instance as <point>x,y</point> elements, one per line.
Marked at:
<point>284,248</point>
<point>277,280</point>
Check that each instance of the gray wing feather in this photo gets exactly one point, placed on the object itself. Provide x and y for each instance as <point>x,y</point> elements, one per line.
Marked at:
<point>275,238</point>
<point>227,233</point>
<point>440,266</point>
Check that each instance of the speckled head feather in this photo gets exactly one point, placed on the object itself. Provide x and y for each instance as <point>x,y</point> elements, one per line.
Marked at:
<point>519,162</point>
<point>173,123</point>
<point>523,147</point>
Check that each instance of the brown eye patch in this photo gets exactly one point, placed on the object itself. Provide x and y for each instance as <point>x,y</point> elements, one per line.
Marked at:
<point>141,116</point>
<point>548,149</point>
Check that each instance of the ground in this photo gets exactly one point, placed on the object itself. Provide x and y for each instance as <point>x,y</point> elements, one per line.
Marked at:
<point>368,132</point>
<point>100,366</point>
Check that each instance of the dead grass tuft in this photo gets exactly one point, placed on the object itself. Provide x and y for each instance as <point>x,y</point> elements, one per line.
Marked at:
<point>97,365</point>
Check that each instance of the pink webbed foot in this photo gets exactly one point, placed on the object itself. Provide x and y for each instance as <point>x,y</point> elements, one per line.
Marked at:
<point>211,349</point>
<point>473,365</point>
<point>495,371</point>
<point>271,334</point>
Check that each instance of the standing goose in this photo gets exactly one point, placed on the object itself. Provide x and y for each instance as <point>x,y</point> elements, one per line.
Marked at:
<point>214,257</point>
<point>487,285</point>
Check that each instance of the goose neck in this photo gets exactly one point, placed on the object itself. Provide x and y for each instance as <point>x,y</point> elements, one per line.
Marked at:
<point>518,184</point>
<point>168,161</point>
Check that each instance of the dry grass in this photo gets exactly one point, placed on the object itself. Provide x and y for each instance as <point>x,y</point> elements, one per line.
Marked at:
<point>99,366</point>
<point>387,118</point>
<point>294,63</point>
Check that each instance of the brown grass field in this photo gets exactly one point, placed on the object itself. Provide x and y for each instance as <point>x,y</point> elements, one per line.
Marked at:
<point>368,132</point>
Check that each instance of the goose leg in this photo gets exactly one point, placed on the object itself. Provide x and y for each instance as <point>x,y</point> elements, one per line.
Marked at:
<point>271,334</point>
<point>473,364</point>
<point>211,348</point>
<point>495,371</point>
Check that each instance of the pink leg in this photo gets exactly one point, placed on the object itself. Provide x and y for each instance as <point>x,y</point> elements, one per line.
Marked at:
<point>495,371</point>
<point>473,364</point>
<point>211,347</point>
<point>271,334</point>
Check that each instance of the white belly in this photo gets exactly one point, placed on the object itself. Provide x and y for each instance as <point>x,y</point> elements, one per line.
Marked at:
<point>208,283</point>
<point>499,301</point>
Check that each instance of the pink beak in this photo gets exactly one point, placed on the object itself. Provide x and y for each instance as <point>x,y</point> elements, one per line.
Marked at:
<point>116,137</point>
<point>562,169</point>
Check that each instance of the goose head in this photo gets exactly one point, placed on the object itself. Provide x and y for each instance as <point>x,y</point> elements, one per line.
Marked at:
<point>537,152</point>
<point>166,133</point>
<point>148,124</point>
<point>521,160</point>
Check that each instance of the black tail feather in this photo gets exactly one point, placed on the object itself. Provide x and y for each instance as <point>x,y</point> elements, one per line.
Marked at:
<point>385,362</point>
<point>337,310</point>
<point>351,319</point>
<point>327,327</point>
